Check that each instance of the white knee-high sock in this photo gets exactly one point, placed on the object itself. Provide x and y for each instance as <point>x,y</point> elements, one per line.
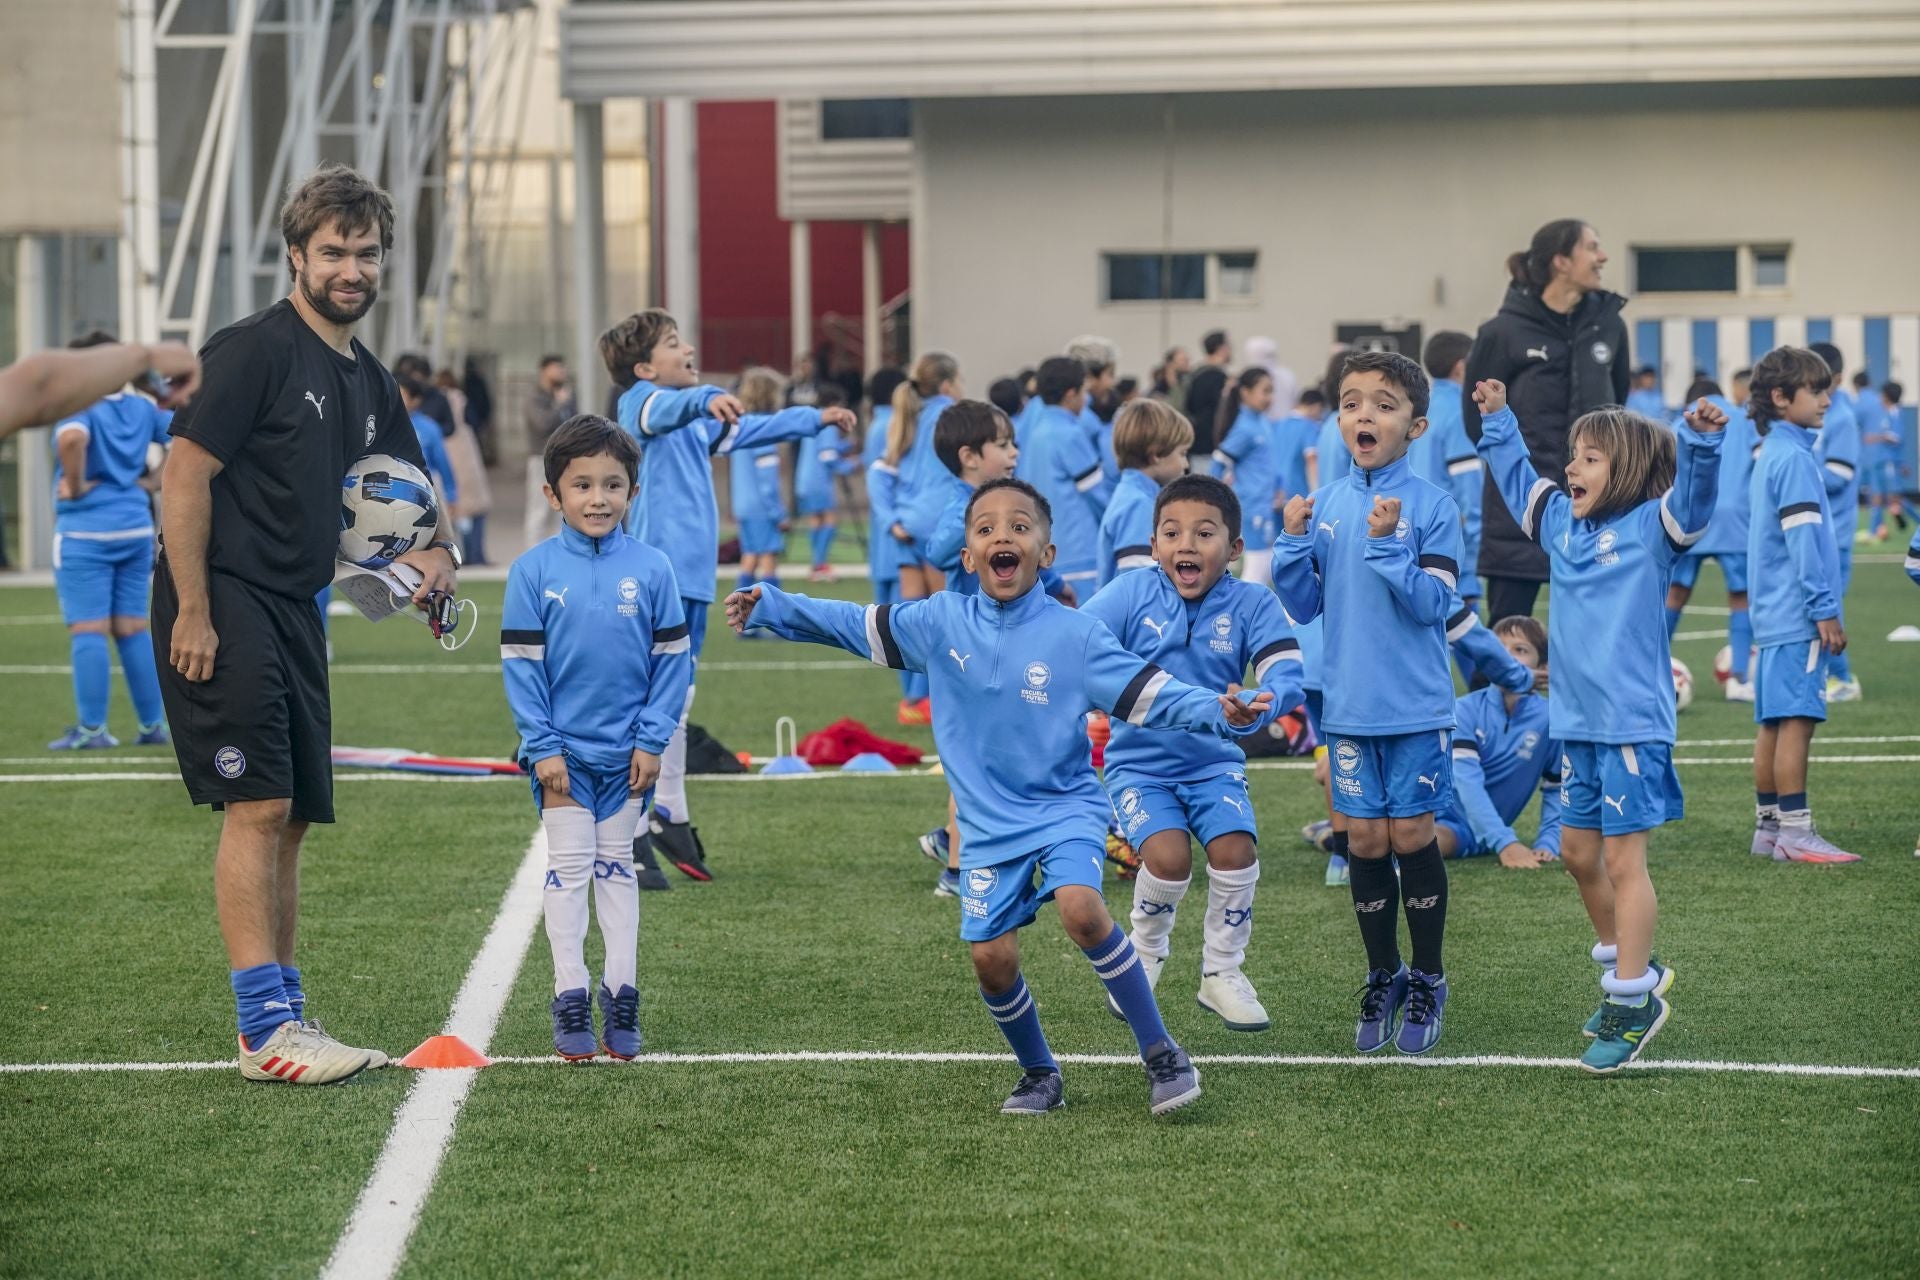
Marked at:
<point>670,792</point>
<point>569,872</point>
<point>1256,567</point>
<point>616,896</point>
<point>1229,917</point>
<point>1154,902</point>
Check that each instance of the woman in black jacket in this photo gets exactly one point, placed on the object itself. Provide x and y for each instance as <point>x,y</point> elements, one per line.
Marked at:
<point>1560,345</point>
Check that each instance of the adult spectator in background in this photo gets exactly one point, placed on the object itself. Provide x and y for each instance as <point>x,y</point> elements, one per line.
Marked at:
<point>469,473</point>
<point>1206,388</point>
<point>1170,378</point>
<point>1645,398</point>
<point>550,403</point>
<point>1286,386</point>
<point>47,385</point>
<point>433,401</point>
<point>479,410</point>
<point>1559,344</point>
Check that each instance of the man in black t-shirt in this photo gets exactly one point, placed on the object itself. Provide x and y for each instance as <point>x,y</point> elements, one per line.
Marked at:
<point>1206,388</point>
<point>250,527</point>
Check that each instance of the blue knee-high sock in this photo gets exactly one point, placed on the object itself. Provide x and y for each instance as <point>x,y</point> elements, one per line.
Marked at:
<point>143,678</point>
<point>1839,668</point>
<point>822,542</point>
<point>1118,965</point>
<point>747,580</point>
<point>290,979</point>
<point>91,673</point>
<point>1876,519</point>
<point>1019,1021</point>
<point>914,683</point>
<point>260,1001</point>
<point>1740,637</point>
<point>1673,621</point>
<point>772,579</point>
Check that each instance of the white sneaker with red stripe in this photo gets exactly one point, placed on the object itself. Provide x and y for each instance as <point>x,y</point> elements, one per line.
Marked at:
<point>297,1054</point>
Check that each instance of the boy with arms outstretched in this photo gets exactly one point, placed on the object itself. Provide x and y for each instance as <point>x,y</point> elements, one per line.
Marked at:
<point>1191,617</point>
<point>1013,675</point>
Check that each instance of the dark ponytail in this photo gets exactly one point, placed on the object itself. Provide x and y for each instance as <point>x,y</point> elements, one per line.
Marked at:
<point>1533,267</point>
<point>1229,410</point>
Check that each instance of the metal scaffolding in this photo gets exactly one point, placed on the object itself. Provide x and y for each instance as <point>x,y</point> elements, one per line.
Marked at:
<point>400,89</point>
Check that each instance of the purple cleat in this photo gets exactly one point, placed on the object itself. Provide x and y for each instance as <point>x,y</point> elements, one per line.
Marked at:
<point>81,738</point>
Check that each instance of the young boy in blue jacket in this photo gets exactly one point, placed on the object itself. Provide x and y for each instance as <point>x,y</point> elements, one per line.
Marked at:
<point>1060,460</point>
<point>1151,440</point>
<point>597,662</point>
<point>1013,675</point>
<point>1444,457</point>
<point>1503,751</point>
<point>1192,618</point>
<point>1378,553</point>
<point>680,425</point>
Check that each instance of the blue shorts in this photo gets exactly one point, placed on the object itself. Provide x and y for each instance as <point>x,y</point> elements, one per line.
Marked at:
<point>1616,790</point>
<point>1400,775</point>
<point>1257,528</point>
<point>602,793</point>
<point>1466,844</point>
<point>1209,808</point>
<point>761,537</point>
<point>1790,681</point>
<point>813,503</point>
<point>1733,567</point>
<point>696,612</point>
<point>1001,898</point>
<point>98,579</point>
<point>1881,479</point>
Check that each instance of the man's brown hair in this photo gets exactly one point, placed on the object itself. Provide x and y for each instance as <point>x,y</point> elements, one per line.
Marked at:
<point>339,194</point>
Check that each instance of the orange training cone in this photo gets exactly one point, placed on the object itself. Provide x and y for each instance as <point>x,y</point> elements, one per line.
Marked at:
<point>446,1051</point>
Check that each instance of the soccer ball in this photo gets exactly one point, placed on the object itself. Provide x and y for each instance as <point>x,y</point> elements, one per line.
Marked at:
<point>1723,662</point>
<point>386,510</point>
<point>1682,686</point>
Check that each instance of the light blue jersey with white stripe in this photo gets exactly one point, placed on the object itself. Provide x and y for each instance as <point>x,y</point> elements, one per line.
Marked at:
<point>1727,532</point>
<point>1793,566</point>
<point>1011,686</point>
<point>594,649</point>
<point>119,430</point>
<point>1065,468</point>
<point>1500,758</point>
<point>1126,527</point>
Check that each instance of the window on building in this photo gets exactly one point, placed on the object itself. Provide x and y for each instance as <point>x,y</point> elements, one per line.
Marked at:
<point>1770,268</point>
<point>1686,270</point>
<point>855,119</point>
<point>1178,277</point>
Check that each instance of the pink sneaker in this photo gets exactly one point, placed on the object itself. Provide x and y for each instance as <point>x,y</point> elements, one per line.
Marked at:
<point>1765,837</point>
<point>1808,846</point>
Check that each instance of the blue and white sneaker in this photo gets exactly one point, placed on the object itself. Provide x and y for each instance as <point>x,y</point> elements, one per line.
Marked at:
<point>1380,1003</point>
<point>935,843</point>
<point>1660,988</point>
<point>1037,1093</point>
<point>573,1025</point>
<point>1420,1023</point>
<point>153,735</point>
<point>81,738</point>
<point>1625,1030</point>
<point>620,1022</point>
<point>948,885</point>
<point>1337,872</point>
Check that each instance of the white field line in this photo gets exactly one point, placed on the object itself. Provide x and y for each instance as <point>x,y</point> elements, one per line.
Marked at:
<point>481,668</point>
<point>375,1238</point>
<point>1483,1060</point>
<point>1698,635</point>
<point>32,620</point>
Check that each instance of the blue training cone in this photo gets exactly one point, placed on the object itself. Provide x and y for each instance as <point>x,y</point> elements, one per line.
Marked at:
<point>868,762</point>
<point>786,753</point>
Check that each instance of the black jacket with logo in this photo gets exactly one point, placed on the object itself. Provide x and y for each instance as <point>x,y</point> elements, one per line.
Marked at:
<point>1556,368</point>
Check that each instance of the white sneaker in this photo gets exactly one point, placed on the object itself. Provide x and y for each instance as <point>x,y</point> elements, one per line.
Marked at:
<point>1151,966</point>
<point>297,1054</point>
<point>1738,690</point>
<point>1766,835</point>
<point>1230,995</point>
<point>375,1058</point>
<point>1795,845</point>
<point>1843,690</point>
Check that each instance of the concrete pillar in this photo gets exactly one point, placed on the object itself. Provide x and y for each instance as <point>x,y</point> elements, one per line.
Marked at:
<point>870,295</point>
<point>590,316</point>
<point>37,327</point>
<point>680,192</point>
<point>801,275</point>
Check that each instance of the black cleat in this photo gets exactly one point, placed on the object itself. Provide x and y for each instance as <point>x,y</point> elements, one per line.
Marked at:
<point>646,872</point>
<point>679,843</point>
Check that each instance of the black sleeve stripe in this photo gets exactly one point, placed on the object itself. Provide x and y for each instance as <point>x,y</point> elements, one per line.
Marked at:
<point>1288,645</point>
<point>1123,707</point>
<point>1551,779</point>
<point>883,623</point>
<point>1084,474</point>
<point>1451,565</point>
<point>1799,508</point>
<point>1458,618</point>
<point>1121,553</point>
<point>508,636</point>
<point>1465,742</point>
<point>1537,509</point>
<point>666,634</point>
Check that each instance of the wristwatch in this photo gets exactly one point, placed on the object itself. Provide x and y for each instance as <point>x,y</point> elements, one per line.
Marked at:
<point>448,547</point>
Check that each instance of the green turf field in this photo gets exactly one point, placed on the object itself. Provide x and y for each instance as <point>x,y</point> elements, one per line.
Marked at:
<point>820,933</point>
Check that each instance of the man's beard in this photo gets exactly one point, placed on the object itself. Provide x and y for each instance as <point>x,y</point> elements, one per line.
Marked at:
<point>331,311</point>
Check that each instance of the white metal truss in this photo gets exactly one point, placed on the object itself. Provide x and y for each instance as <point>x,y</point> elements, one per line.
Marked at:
<point>372,83</point>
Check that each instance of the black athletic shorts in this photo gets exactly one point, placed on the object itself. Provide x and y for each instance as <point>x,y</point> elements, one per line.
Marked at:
<point>262,727</point>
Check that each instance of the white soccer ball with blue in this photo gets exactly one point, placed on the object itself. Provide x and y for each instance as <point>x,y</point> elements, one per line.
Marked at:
<point>387,509</point>
<point>1682,686</point>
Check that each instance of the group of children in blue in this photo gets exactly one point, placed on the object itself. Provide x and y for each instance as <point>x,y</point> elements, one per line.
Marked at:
<point>602,630</point>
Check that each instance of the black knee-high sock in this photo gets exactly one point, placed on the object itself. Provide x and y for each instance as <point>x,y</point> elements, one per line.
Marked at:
<point>1375,894</point>
<point>1423,891</point>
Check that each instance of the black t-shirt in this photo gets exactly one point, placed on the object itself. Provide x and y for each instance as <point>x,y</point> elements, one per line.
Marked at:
<point>1204,392</point>
<point>287,415</point>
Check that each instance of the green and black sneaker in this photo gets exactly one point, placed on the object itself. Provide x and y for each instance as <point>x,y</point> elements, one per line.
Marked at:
<point>1625,1030</point>
<point>1592,1028</point>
